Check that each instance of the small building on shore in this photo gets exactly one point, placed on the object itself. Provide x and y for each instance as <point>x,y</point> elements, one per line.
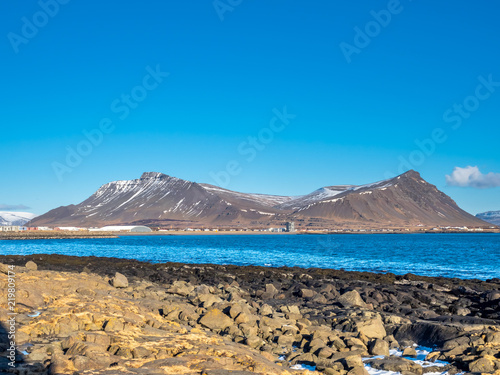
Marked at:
<point>290,226</point>
<point>9,228</point>
<point>123,228</point>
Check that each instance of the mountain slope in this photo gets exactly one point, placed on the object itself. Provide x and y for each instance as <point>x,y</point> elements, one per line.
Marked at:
<point>158,199</point>
<point>492,217</point>
<point>406,200</point>
<point>15,218</point>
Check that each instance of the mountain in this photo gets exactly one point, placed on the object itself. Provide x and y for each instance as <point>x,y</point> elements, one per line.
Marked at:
<point>492,217</point>
<point>156,199</point>
<point>15,218</point>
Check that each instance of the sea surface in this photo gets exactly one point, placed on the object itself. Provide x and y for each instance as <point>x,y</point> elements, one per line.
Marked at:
<point>467,256</point>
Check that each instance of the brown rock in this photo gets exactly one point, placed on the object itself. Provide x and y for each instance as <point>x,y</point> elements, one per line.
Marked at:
<point>119,281</point>
<point>114,325</point>
<point>351,299</point>
<point>360,370</point>
<point>379,347</point>
<point>482,365</point>
<point>31,266</point>
<point>216,320</point>
<point>396,364</point>
<point>493,337</point>
<point>410,352</point>
<point>307,293</point>
<point>372,328</point>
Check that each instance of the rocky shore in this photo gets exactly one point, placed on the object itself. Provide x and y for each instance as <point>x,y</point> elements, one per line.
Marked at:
<point>90,315</point>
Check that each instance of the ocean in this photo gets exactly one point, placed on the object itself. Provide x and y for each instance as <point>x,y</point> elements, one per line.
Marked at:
<point>467,256</point>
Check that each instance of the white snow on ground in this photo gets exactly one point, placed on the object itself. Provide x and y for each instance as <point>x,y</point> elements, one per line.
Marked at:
<point>422,353</point>
<point>303,367</point>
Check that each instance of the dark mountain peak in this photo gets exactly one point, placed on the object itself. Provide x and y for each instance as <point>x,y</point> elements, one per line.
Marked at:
<point>153,176</point>
<point>411,173</point>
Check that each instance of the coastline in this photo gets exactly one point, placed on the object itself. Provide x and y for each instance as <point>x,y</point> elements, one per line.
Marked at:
<point>57,235</point>
<point>279,317</point>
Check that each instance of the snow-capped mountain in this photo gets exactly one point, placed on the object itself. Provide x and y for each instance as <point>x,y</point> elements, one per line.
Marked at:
<point>158,199</point>
<point>492,217</point>
<point>15,218</point>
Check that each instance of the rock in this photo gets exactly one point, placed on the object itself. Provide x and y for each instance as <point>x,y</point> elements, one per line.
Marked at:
<point>114,325</point>
<point>410,352</point>
<point>254,342</point>
<point>31,266</point>
<point>141,352</point>
<point>351,299</point>
<point>235,310</point>
<point>493,337</point>
<point>379,347</point>
<point>326,352</point>
<point>119,281</point>
<point>61,365</point>
<point>306,293</point>
<point>290,309</point>
<point>353,361</point>
<point>244,318</point>
<point>100,338</point>
<point>427,333</point>
<point>202,289</point>
<point>285,340</point>
<point>372,328</point>
<point>4,268</point>
<point>216,320</point>
<point>320,299</point>
<point>462,311</point>
<point>181,288</point>
<point>265,310</point>
<point>271,290</point>
<point>493,295</point>
<point>482,365</point>
<point>396,364</point>
<point>207,300</point>
<point>360,370</point>
<point>38,354</point>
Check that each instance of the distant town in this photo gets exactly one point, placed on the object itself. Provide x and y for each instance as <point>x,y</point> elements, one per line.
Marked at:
<point>287,227</point>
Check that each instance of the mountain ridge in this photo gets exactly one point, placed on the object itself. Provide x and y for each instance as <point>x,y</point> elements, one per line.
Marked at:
<point>8,218</point>
<point>157,199</point>
<point>492,217</point>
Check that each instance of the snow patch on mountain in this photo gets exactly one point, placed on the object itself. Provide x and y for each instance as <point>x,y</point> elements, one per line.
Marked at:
<point>15,218</point>
<point>490,216</point>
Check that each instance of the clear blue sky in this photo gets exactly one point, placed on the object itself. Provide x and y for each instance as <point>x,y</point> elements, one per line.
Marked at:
<point>229,68</point>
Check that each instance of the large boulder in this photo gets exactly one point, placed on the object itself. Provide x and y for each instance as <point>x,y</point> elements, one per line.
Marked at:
<point>482,365</point>
<point>216,320</point>
<point>372,328</point>
<point>395,364</point>
<point>31,266</point>
<point>351,299</point>
<point>379,347</point>
<point>119,281</point>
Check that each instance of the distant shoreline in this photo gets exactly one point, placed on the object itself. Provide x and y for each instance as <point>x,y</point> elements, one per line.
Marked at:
<point>60,235</point>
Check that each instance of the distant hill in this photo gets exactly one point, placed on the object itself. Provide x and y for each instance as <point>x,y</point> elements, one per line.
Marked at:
<point>492,217</point>
<point>15,218</point>
<point>160,200</point>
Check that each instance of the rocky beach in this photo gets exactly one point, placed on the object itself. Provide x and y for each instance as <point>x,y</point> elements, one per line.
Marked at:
<point>91,315</point>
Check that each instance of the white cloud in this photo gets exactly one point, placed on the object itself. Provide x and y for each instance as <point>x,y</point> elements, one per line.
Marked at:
<point>472,177</point>
<point>13,207</point>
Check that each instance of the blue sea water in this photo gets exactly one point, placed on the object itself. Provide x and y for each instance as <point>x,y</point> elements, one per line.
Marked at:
<point>465,256</point>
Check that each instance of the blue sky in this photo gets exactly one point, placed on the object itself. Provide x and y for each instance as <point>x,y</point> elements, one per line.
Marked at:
<point>362,84</point>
